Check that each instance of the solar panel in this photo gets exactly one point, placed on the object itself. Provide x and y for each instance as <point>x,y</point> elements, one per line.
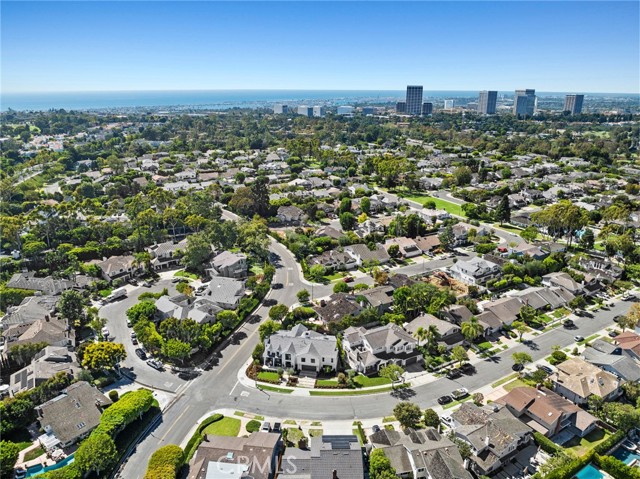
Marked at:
<point>340,442</point>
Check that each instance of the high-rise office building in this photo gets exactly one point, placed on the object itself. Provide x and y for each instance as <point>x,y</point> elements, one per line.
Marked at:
<point>448,104</point>
<point>305,110</point>
<point>345,110</point>
<point>487,102</point>
<point>280,109</point>
<point>524,102</point>
<point>573,104</point>
<point>368,110</point>
<point>427,108</point>
<point>318,111</point>
<point>414,99</point>
<point>401,107</point>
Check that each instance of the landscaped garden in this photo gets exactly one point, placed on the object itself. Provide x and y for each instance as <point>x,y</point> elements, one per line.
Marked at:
<point>227,426</point>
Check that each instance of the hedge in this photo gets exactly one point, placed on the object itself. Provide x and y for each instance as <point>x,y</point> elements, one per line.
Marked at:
<point>616,468</point>
<point>165,463</point>
<point>253,426</point>
<point>568,471</point>
<point>547,444</point>
<point>197,437</point>
<point>608,443</point>
<point>129,408</point>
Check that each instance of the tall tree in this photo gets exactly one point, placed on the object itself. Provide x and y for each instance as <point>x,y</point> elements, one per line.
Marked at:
<point>471,329</point>
<point>503,210</point>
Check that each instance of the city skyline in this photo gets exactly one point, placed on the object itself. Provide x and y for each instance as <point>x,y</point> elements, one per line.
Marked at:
<point>60,46</point>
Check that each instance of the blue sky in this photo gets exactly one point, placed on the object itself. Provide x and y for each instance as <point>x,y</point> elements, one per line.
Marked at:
<point>549,46</point>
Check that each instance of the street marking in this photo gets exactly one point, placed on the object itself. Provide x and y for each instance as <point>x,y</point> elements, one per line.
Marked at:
<point>233,388</point>
<point>245,394</point>
<point>175,422</point>
<point>289,269</point>
<point>168,384</point>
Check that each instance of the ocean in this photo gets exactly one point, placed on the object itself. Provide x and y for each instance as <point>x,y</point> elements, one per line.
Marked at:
<point>219,99</point>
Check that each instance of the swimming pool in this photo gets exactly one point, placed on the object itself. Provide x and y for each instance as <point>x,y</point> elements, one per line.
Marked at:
<point>626,456</point>
<point>589,472</point>
<point>37,470</point>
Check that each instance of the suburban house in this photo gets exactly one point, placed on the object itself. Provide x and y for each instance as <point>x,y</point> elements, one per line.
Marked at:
<point>48,285</point>
<point>290,215</point>
<point>328,231</point>
<point>449,334</point>
<point>165,255</point>
<point>117,267</point>
<point>335,260</point>
<point>562,280</point>
<point>543,297</point>
<point>623,366</point>
<point>73,414</point>
<point>328,457</point>
<point>183,307</point>
<point>406,246</point>
<point>421,454</point>
<point>476,271</point>
<point>230,265</point>
<point>498,440</point>
<point>49,362</point>
<point>600,268</point>
<point>364,256</point>
<point>53,331</point>
<point>369,226</point>
<point>379,297</point>
<point>222,457</point>
<point>368,350</point>
<point>460,234</point>
<point>576,380</point>
<point>506,309</point>
<point>300,349</point>
<point>427,243</point>
<point>629,343</point>
<point>338,306</point>
<point>225,292</point>
<point>549,413</point>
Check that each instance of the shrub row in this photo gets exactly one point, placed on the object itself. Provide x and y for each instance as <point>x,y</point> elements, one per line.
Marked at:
<point>616,468</point>
<point>547,444</point>
<point>568,471</point>
<point>165,463</point>
<point>197,437</point>
<point>129,408</point>
<point>608,443</point>
<point>363,436</point>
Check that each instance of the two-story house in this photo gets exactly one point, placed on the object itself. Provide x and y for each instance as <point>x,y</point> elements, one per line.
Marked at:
<point>368,350</point>
<point>117,267</point>
<point>449,334</point>
<point>476,271</point>
<point>364,256</point>
<point>300,349</point>
<point>577,380</point>
<point>166,255</point>
<point>230,265</point>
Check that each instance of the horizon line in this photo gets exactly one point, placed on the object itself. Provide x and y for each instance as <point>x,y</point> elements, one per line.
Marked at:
<point>297,90</point>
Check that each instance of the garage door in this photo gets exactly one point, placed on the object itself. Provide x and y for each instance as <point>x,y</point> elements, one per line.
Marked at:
<point>308,368</point>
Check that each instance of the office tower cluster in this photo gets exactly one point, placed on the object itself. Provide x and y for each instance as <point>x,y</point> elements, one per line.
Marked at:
<point>414,100</point>
<point>487,102</point>
<point>524,102</point>
<point>573,104</point>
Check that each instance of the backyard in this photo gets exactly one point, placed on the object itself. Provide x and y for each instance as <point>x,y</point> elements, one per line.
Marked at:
<point>580,446</point>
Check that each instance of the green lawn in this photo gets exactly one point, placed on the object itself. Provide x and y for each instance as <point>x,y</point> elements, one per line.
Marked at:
<point>315,432</point>
<point>504,380</point>
<point>448,206</point>
<point>105,292</point>
<point>23,445</point>
<point>268,376</point>
<point>367,382</point>
<point>515,384</point>
<point>508,227</point>
<point>227,426</point>
<point>274,389</point>
<point>293,436</point>
<point>185,274</point>
<point>34,454</point>
<point>388,419</point>
<point>589,339</point>
<point>455,403</point>
<point>334,276</point>
<point>329,383</point>
<point>580,446</point>
<point>256,269</point>
<point>558,313</point>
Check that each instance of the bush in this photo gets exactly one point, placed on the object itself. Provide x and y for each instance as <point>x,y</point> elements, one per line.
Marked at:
<point>253,426</point>
<point>113,395</point>
<point>608,443</point>
<point>197,437</point>
<point>616,468</point>
<point>129,408</point>
<point>165,463</point>
<point>547,444</point>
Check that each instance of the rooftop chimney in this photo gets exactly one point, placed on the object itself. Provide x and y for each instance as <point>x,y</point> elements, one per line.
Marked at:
<point>335,474</point>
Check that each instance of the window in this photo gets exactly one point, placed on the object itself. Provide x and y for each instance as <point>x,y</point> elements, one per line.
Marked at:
<point>313,360</point>
<point>303,360</point>
<point>80,425</point>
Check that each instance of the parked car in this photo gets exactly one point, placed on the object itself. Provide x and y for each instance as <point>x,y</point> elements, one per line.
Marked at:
<point>177,279</point>
<point>517,367</point>
<point>375,428</point>
<point>460,393</point>
<point>133,281</point>
<point>447,421</point>
<point>467,368</point>
<point>454,373</point>
<point>277,427</point>
<point>134,340</point>
<point>580,312</point>
<point>133,335</point>
<point>155,364</point>
<point>568,323</point>
<point>348,279</point>
<point>577,338</point>
<point>141,354</point>
<point>617,318</point>
<point>445,399</point>
<point>129,324</point>
<point>146,284</point>
<point>613,334</point>
<point>544,368</point>
<point>266,427</point>
<point>187,375</point>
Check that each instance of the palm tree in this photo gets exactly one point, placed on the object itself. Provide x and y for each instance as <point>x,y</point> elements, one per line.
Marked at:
<point>432,336</point>
<point>471,329</point>
<point>420,334</point>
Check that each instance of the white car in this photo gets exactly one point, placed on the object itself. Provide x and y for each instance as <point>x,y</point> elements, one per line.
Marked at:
<point>447,421</point>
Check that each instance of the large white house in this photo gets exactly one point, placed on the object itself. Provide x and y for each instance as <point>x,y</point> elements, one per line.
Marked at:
<point>300,349</point>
